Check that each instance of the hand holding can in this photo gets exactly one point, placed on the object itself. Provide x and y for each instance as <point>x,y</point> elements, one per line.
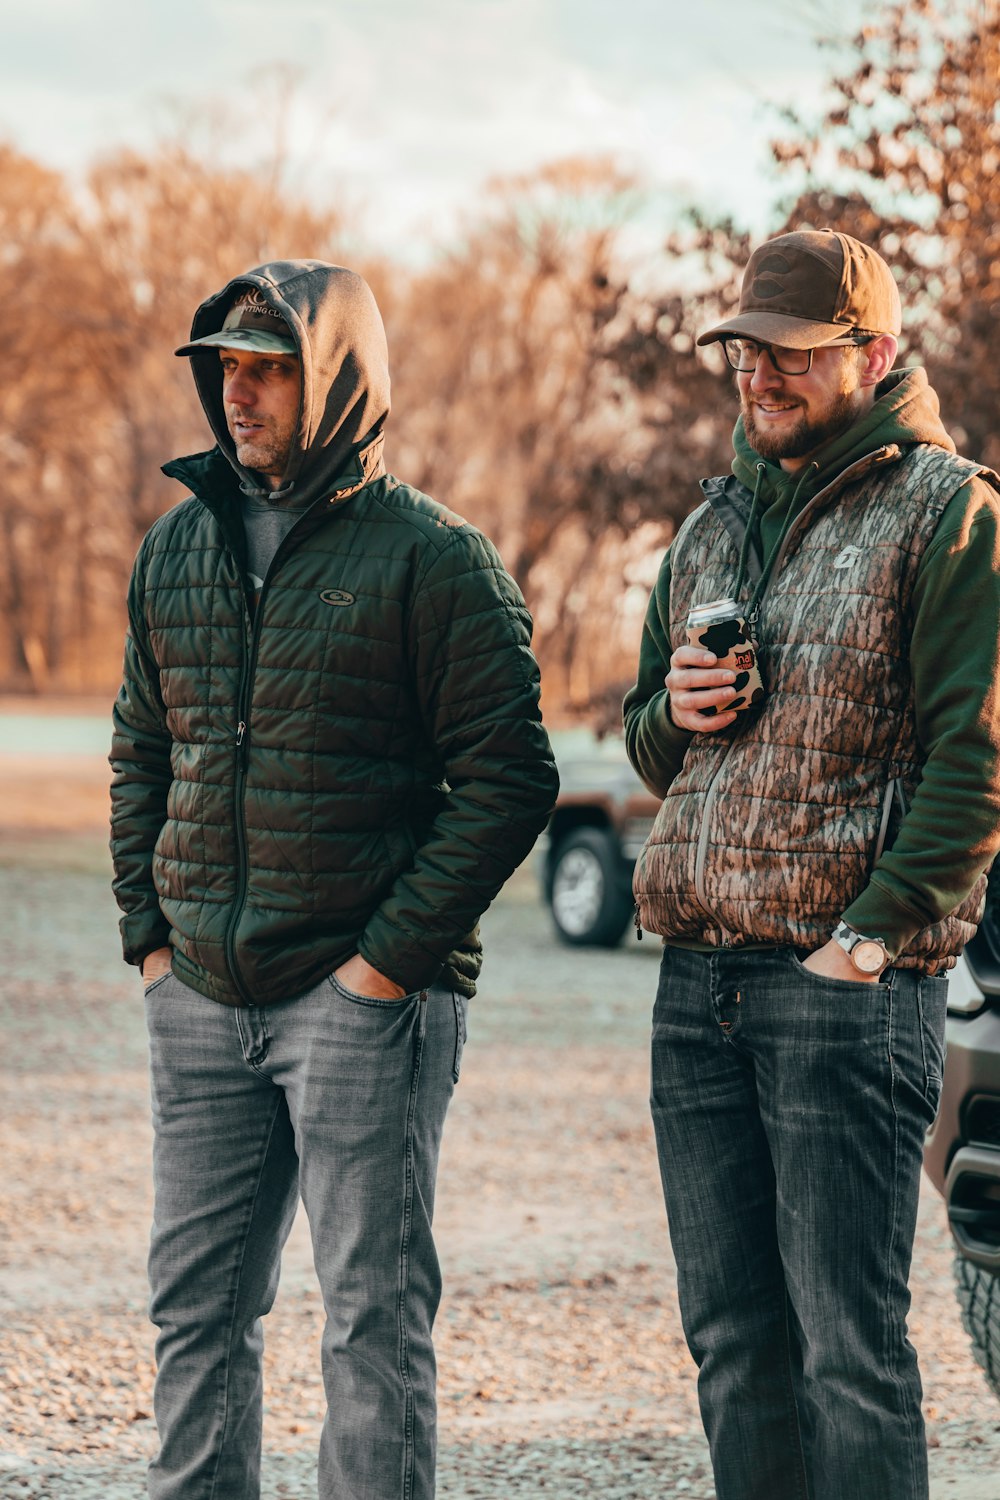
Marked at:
<point>719,627</point>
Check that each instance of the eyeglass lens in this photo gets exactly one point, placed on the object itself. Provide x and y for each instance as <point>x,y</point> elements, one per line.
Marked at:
<point>742,355</point>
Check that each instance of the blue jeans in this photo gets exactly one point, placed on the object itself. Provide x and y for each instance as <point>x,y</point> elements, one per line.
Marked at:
<point>790,1112</point>
<point>340,1098</point>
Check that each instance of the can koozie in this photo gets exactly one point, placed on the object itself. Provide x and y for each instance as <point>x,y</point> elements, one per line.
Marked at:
<point>719,627</point>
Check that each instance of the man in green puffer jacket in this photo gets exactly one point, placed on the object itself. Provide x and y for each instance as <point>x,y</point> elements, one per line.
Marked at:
<point>328,757</point>
<point>818,862</point>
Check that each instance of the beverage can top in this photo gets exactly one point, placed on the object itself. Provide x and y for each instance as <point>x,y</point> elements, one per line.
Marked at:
<point>714,611</point>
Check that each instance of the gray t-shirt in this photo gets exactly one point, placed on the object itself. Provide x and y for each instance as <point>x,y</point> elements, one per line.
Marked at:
<point>266,526</point>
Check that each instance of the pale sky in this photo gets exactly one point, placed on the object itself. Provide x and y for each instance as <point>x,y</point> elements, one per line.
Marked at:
<point>406,107</point>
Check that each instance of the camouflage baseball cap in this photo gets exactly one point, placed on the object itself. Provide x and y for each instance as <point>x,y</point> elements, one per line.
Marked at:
<point>251,323</point>
<point>805,289</point>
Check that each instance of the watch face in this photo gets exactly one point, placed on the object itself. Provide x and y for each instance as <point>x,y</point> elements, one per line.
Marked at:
<point>868,956</point>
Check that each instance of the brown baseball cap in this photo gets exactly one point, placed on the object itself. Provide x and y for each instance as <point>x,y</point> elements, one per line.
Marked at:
<point>807,288</point>
<point>250,323</point>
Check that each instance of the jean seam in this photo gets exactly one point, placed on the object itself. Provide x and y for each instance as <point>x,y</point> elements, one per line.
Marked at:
<point>933,1070</point>
<point>459,1037</point>
<point>921,1030</point>
<point>235,1299</point>
<point>794,1422</point>
<point>409,1453</point>
<point>887,1352</point>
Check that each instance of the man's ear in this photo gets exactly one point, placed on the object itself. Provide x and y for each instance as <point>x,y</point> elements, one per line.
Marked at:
<point>879,356</point>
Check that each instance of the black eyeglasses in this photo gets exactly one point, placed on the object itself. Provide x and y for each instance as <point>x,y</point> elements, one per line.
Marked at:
<point>743,354</point>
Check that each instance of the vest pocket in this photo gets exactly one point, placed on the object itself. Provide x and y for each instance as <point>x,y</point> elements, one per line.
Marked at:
<point>894,810</point>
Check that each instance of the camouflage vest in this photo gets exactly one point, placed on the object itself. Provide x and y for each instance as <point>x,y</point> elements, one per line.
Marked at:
<point>771,829</point>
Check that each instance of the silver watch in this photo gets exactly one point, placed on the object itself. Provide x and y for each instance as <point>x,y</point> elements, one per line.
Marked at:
<point>868,955</point>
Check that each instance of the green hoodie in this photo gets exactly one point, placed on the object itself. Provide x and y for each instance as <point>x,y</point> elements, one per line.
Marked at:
<point>951,832</point>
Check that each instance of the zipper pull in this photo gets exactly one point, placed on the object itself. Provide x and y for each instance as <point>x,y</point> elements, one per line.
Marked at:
<point>241,745</point>
<point>638,925</point>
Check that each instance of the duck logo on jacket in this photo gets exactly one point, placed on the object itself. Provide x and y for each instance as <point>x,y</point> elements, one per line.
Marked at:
<point>336,596</point>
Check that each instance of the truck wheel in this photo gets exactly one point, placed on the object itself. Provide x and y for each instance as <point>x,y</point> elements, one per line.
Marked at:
<point>591,903</point>
<point>978,1293</point>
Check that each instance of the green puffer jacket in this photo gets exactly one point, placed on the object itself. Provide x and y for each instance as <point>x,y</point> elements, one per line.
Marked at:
<point>392,770</point>
<point>356,768</point>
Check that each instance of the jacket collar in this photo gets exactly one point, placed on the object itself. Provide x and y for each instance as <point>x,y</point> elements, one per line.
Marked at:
<point>211,477</point>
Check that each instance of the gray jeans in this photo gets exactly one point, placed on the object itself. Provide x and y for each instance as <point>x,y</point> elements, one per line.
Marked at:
<point>343,1099</point>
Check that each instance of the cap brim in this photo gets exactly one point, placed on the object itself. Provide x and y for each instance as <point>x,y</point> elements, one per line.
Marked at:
<point>257,339</point>
<point>777,328</point>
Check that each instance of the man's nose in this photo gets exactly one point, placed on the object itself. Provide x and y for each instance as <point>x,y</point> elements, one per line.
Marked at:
<point>765,377</point>
<point>238,389</point>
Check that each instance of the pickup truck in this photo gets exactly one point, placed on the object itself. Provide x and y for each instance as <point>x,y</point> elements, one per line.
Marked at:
<point>591,845</point>
<point>962,1152</point>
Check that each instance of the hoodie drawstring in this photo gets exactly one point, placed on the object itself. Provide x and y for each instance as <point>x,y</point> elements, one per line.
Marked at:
<point>772,557</point>
<point>741,573</point>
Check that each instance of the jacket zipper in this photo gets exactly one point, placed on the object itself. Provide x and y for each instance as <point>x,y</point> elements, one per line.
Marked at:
<point>242,747</point>
<point>870,460</point>
<point>242,750</point>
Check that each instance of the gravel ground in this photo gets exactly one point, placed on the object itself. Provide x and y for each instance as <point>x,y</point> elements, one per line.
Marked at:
<point>563,1371</point>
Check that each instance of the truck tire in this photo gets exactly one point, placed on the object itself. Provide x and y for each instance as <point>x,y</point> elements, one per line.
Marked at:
<point>978,1293</point>
<point>590,899</point>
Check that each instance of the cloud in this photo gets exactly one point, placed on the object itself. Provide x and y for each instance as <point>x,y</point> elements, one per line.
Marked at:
<point>415,106</point>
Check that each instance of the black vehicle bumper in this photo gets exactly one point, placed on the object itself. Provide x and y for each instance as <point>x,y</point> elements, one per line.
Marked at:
<point>962,1154</point>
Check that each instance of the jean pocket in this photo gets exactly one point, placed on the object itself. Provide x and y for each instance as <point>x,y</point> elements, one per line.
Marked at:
<point>149,988</point>
<point>461,1005</point>
<point>871,986</point>
<point>377,1002</point>
<point>932,1011</point>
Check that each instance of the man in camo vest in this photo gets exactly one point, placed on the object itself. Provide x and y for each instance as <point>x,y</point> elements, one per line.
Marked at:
<point>816,866</point>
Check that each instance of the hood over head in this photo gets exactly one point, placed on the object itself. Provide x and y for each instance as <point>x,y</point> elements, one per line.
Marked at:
<point>336,329</point>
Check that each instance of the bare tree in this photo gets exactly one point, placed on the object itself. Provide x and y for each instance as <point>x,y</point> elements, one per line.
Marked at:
<point>545,383</point>
<point>906,157</point>
<point>520,367</point>
<point>92,401</point>
<point>49,408</point>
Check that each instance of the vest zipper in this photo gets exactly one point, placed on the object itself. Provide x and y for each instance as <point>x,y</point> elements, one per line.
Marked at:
<point>871,460</point>
<point>880,455</point>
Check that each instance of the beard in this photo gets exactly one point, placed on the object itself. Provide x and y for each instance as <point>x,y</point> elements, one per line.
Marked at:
<point>805,436</point>
<point>267,451</point>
